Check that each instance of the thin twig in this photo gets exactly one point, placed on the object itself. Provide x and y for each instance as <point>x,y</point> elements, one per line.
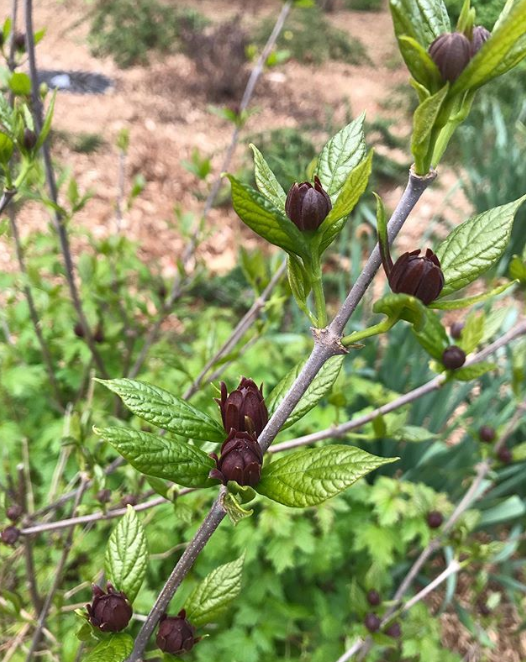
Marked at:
<point>31,579</point>
<point>58,219</point>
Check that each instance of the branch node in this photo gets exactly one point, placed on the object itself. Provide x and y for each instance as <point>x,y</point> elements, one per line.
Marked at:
<point>328,340</point>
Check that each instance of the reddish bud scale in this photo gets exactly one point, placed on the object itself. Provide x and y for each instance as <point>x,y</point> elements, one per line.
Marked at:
<point>505,455</point>
<point>14,512</point>
<point>176,635</point>
<point>434,519</point>
<point>244,408</point>
<point>10,535</point>
<point>241,460</point>
<point>307,206</point>
<point>487,434</point>
<point>394,631</point>
<point>30,139</point>
<point>451,52</point>
<point>421,277</point>
<point>111,611</point>
<point>455,330</point>
<point>453,357</point>
<point>372,622</point>
<point>373,598</point>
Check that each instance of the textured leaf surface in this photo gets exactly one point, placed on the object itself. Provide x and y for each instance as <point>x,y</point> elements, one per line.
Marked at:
<point>318,389</point>
<point>266,180</point>
<point>423,20</point>
<point>424,120</point>
<point>473,371</point>
<point>213,595</point>
<point>161,408</point>
<point>309,477</point>
<point>256,211</point>
<point>165,458</point>
<point>342,153</point>
<point>113,649</point>
<point>475,245</point>
<point>127,555</point>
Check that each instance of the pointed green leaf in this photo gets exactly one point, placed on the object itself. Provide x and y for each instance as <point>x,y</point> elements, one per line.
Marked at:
<point>350,193</point>
<point>424,120</point>
<point>421,66</point>
<point>475,245</point>
<point>309,477</point>
<point>46,127</point>
<point>215,593</point>
<point>473,371</point>
<point>341,155</point>
<point>256,211</point>
<point>456,304</point>
<point>318,389</point>
<point>161,408</point>
<point>299,282</point>
<point>432,336</point>
<point>158,456</point>
<point>472,333</point>
<point>402,306</point>
<point>115,648</point>
<point>266,180</point>
<point>127,555</point>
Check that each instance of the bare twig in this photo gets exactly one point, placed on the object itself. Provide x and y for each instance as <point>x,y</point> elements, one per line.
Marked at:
<point>58,219</point>
<point>28,549</point>
<point>6,198</point>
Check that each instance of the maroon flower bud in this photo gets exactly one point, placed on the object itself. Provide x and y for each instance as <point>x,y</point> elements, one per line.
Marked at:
<point>394,631</point>
<point>14,512</point>
<point>453,357</point>
<point>78,330</point>
<point>372,622</point>
<point>111,611</point>
<point>373,598</point>
<point>98,336</point>
<point>176,635</point>
<point>10,535</point>
<point>420,276</point>
<point>128,500</point>
<point>455,330</point>
<point>479,38</point>
<point>30,139</point>
<point>434,519</point>
<point>20,41</point>
<point>487,434</point>
<point>451,52</point>
<point>307,206</point>
<point>244,409</point>
<point>241,460</point>
<point>103,496</point>
<point>504,454</point>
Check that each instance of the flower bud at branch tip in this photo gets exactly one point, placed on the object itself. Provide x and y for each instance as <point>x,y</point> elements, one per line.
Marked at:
<point>241,460</point>
<point>244,408</point>
<point>453,357</point>
<point>421,277</point>
<point>176,635</point>
<point>109,611</point>
<point>451,52</point>
<point>307,206</point>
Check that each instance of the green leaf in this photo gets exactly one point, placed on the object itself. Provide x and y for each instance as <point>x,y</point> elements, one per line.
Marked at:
<point>424,120</point>
<point>115,648</point>
<point>419,62</point>
<point>299,282</point>
<point>456,304</point>
<point>309,477</point>
<point>472,333</point>
<point>473,371</point>
<point>256,211</point>
<point>423,20</point>
<point>504,50</point>
<point>414,434</point>
<point>266,180</point>
<point>6,148</point>
<point>341,155</point>
<point>402,306</point>
<point>318,389</point>
<point>154,455</point>
<point>432,336</point>
<point>20,84</point>
<point>161,408</point>
<point>215,593</point>
<point>351,192</point>
<point>46,127</point>
<point>127,555</point>
<point>475,245</point>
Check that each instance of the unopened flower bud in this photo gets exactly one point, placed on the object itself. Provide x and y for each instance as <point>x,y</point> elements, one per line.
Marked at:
<point>10,535</point>
<point>487,434</point>
<point>394,631</point>
<point>128,500</point>
<point>14,512</point>
<point>479,38</point>
<point>372,622</point>
<point>103,496</point>
<point>504,454</point>
<point>373,598</point>
<point>453,357</point>
<point>244,409</point>
<point>451,52</point>
<point>241,459</point>
<point>30,139</point>
<point>420,276</point>
<point>434,519</point>
<point>307,206</point>
<point>176,635</point>
<point>20,41</point>
<point>111,611</point>
<point>455,330</point>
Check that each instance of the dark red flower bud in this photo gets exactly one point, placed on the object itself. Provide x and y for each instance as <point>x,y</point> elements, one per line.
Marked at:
<point>307,206</point>
<point>128,500</point>
<point>241,460</point>
<point>111,611</point>
<point>104,496</point>
<point>451,52</point>
<point>244,409</point>
<point>372,622</point>
<point>434,519</point>
<point>420,276</point>
<point>453,357</point>
<point>176,635</point>
<point>30,139</point>
<point>20,41</point>
<point>373,598</point>
<point>14,512</point>
<point>455,330</point>
<point>10,535</point>
<point>487,434</point>
<point>504,454</point>
<point>98,336</point>
<point>78,330</point>
<point>479,38</point>
<point>394,631</point>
